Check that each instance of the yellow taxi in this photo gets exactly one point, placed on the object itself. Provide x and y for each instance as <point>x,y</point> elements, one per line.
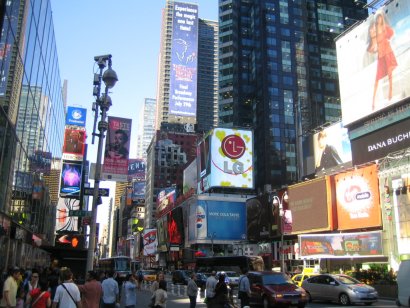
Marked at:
<point>299,278</point>
<point>149,275</point>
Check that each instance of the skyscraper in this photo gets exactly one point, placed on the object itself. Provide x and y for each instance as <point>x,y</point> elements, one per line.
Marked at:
<point>147,127</point>
<point>278,75</point>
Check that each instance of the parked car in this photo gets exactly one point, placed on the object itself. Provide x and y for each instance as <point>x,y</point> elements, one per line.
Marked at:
<point>403,283</point>
<point>149,275</point>
<point>181,276</point>
<point>201,280</point>
<point>275,288</point>
<point>339,288</point>
<point>299,278</point>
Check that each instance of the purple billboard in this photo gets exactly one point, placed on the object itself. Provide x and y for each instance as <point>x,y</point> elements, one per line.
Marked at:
<point>184,61</point>
<point>70,183</point>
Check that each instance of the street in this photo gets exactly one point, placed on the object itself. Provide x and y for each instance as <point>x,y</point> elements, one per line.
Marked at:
<point>181,300</point>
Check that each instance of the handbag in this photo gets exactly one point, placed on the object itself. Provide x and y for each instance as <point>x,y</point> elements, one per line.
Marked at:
<point>37,298</point>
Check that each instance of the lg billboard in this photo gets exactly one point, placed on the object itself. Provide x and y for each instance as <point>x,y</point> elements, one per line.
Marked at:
<point>374,61</point>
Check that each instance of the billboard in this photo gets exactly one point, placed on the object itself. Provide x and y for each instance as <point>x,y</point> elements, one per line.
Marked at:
<point>310,203</point>
<point>162,233</point>
<point>136,169</point>
<point>373,62</point>
<point>117,148</point>
<point>175,227</point>
<point>138,190</point>
<point>229,162</point>
<point>216,220</point>
<point>401,210</point>
<point>259,218</point>
<point>341,245</point>
<point>70,180</point>
<point>190,179</point>
<point>74,144</point>
<point>150,242</point>
<point>76,116</point>
<point>166,200</point>
<point>41,162</point>
<point>331,148</point>
<point>64,222</point>
<point>380,143</point>
<point>357,199</point>
<point>184,61</point>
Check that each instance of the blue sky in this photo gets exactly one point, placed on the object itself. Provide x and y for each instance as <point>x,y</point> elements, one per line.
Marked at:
<point>130,31</point>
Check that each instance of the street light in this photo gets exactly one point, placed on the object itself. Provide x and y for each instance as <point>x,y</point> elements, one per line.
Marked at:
<point>278,202</point>
<point>211,236</point>
<point>103,102</point>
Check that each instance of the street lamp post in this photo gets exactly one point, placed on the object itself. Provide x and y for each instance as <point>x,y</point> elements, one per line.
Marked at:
<point>103,102</point>
<point>211,236</point>
<point>276,201</point>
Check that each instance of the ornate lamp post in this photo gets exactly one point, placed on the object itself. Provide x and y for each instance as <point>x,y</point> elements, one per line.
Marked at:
<point>278,202</point>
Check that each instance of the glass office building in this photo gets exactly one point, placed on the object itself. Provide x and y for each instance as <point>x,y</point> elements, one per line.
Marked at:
<point>32,117</point>
<point>278,75</point>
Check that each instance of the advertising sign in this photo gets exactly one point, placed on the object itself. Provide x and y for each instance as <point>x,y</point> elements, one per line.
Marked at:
<point>380,143</point>
<point>41,162</point>
<point>402,214</point>
<point>150,242</point>
<point>184,61</point>
<point>37,190</point>
<point>331,148</point>
<point>259,218</point>
<point>190,177</point>
<point>341,245</point>
<point>211,220</point>
<point>117,148</point>
<point>175,227</point>
<point>74,144</point>
<point>311,206</point>
<point>166,200</point>
<point>70,240</point>
<point>70,180</point>
<point>138,190</point>
<point>357,197</point>
<point>162,233</point>
<point>373,62</point>
<point>76,116</point>
<point>136,169</point>
<point>64,222</point>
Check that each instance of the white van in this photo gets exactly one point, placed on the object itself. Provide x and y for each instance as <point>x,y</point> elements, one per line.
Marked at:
<point>403,284</point>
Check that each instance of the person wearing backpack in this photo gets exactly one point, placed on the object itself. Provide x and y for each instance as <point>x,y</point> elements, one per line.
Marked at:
<point>10,288</point>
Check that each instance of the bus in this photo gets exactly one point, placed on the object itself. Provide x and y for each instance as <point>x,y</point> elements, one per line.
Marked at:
<point>229,263</point>
<point>120,266</point>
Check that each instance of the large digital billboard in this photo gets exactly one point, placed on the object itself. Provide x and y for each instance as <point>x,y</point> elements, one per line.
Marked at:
<point>65,222</point>
<point>74,144</point>
<point>216,220</point>
<point>166,200</point>
<point>175,227</point>
<point>229,163</point>
<point>136,169</point>
<point>150,242</point>
<point>331,148</point>
<point>76,116</point>
<point>374,62</point>
<point>341,245</point>
<point>70,182</point>
<point>117,149</point>
<point>311,206</point>
<point>184,60</point>
<point>259,218</point>
<point>357,199</point>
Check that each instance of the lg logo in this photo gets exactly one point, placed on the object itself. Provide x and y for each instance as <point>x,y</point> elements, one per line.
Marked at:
<point>233,146</point>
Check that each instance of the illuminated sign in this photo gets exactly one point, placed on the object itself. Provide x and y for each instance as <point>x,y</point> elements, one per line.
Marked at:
<point>76,116</point>
<point>70,182</point>
<point>74,144</point>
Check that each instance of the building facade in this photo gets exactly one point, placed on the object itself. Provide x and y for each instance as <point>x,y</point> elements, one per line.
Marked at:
<point>32,117</point>
<point>147,127</point>
<point>278,75</point>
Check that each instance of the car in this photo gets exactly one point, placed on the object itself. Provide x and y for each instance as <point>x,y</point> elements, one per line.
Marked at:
<point>403,282</point>
<point>149,275</point>
<point>273,289</point>
<point>299,278</point>
<point>181,276</point>
<point>339,288</point>
<point>201,280</point>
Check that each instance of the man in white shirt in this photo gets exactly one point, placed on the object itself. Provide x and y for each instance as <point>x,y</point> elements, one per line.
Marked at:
<point>110,291</point>
<point>67,293</point>
<point>210,288</point>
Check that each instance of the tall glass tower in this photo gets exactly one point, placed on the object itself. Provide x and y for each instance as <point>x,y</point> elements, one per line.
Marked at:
<point>278,75</point>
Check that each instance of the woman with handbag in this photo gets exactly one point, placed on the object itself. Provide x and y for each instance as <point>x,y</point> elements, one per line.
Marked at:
<point>39,297</point>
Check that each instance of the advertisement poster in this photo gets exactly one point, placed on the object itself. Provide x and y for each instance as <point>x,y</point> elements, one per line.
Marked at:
<point>64,222</point>
<point>184,61</point>
<point>357,198</point>
<point>41,162</point>
<point>175,227</point>
<point>117,149</point>
<point>70,181</point>
<point>331,148</point>
<point>190,177</point>
<point>136,169</point>
<point>341,245</point>
<point>259,218</point>
<point>76,116</point>
<point>150,242</point>
<point>401,200</point>
<point>138,190</point>
<point>166,201</point>
<point>162,233</point>
<point>74,144</point>
<point>373,62</point>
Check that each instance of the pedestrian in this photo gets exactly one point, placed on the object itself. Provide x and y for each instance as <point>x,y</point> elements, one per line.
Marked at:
<point>140,277</point>
<point>110,291</point>
<point>39,297</point>
<point>10,288</point>
<point>67,293</point>
<point>91,291</point>
<point>160,295</point>
<point>130,292</point>
<point>244,288</point>
<point>210,288</point>
<point>192,290</point>
<point>221,293</point>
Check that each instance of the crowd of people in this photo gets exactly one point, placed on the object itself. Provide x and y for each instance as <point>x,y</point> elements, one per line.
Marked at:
<point>55,287</point>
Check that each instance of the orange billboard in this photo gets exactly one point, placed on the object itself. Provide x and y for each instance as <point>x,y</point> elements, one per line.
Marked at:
<point>357,199</point>
<point>311,206</point>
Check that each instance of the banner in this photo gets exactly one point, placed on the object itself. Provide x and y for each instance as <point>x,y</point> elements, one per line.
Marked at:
<point>341,245</point>
<point>76,116</point>
<point>166,201</point>
<point>117,148</point>
<point>150,242</point>
<point>74,144</point>
<point>70,180</point>
<point>136,169</point>
<point>138,190</point>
